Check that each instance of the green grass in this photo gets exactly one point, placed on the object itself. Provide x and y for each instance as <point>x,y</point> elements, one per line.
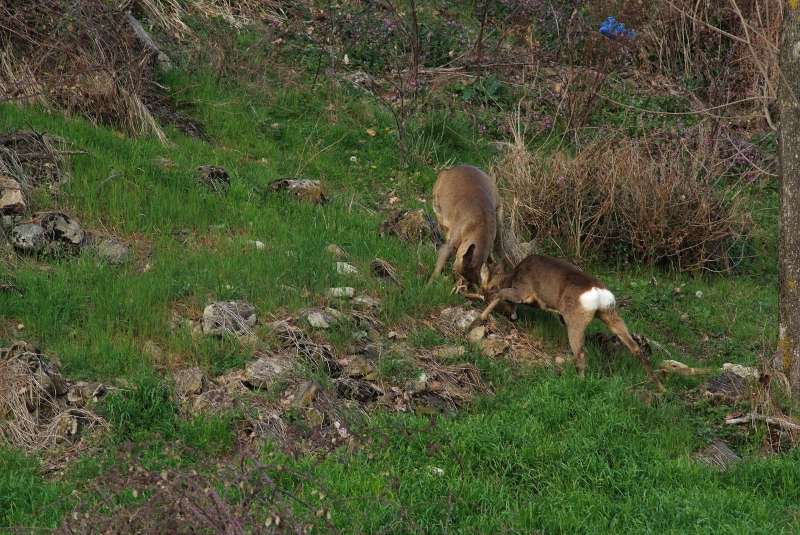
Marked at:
<point>545,452</point>
<point>557,455</point>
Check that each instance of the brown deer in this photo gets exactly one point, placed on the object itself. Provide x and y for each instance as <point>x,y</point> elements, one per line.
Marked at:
<point>558,286</point>
<point>465,202</point>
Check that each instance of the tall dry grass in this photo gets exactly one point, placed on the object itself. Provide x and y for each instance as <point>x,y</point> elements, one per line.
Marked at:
<point>722,50</point>
<point>653,201</point>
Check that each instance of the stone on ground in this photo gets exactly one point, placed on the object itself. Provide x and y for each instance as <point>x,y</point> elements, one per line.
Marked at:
<point>12,199</point>
<point>229,317</point>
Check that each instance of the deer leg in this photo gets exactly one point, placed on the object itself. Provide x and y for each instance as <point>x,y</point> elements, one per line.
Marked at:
<point>444,254</point>
<point>576,331</point>
<point>506,294</point>
<point>499,246</point>
<point>509,309</point>
<point>615,324</point>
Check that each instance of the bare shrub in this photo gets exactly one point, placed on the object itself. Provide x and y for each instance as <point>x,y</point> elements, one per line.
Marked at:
<point>33,158</point>
<point>39,409</point>
<point>657,201</point>
<point>723,50</point>
<point>73,55</point>
<point>236,500</point>
<point>86,57</point>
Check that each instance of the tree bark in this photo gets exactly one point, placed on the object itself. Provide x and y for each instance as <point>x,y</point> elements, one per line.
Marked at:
<point>788,354</point>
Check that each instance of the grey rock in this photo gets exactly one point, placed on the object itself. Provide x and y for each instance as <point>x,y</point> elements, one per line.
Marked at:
<point>113,251</point>
<point>215,177</point>
<point>229,317</point>
<point>61,227</point>
<point>459,318</point>
<point>265,371</point>
<point>306,190</point>
<point>28,237</point>
<point>322,319</point>
<point>717,455</point>
<point>494,347</point>
<point>12,199</point>
<point>358,390</point>
<point>344,268</point>
<point>189,381</point>
<point>341,293</point>
<point>366,302</point>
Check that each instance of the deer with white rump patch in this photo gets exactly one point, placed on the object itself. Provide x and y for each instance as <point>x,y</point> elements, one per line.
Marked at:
<point>558,286</point>
<point>465,202</point>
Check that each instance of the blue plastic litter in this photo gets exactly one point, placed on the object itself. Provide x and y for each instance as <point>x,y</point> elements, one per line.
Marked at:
<point>613,29</point>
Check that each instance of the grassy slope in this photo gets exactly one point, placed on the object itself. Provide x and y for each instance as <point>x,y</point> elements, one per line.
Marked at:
<point>546,452</point>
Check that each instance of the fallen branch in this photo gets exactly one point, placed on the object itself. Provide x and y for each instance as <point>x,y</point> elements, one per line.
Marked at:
<point>679,368</point>
<point>782,422</point>
<point>148,43</point>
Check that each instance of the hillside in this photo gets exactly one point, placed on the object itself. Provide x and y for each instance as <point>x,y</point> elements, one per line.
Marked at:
<point>298,409</point>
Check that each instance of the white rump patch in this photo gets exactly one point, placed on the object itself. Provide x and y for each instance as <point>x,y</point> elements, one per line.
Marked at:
<point>597,299</point>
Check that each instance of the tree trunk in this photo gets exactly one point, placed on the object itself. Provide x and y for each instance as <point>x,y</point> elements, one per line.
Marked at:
<point>788,355</point>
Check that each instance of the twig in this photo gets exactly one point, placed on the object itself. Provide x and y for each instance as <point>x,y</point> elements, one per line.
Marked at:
<point>679,368</point>
<point>707,24</point>
<point>147,41</point>
<point>693,112</point>
<point>782,422</point>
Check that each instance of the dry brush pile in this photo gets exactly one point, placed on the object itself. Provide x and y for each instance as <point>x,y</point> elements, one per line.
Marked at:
<point>80,56</point>
<point>95,59</point>
<point>655,201</point>
<point>40,410</point>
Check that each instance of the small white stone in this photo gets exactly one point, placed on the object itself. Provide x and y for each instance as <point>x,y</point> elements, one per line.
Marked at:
<point>344,292</point>
<point>435,470</point>
<point>365,301</point>
<point>318,320</point>
<point>745,372</point>
<point>335,250</point>
<point>343,268</point>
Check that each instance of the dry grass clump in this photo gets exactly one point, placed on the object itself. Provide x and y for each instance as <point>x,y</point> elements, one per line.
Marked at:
<point>90,58</point>
<point>33,158</point>
<point>39,409</point>
<point>731,45</point>
<point>235,500</point>
<point>655,201</point>
<point>171,15</point>
<point>78,55</point>
<point>725,50</point>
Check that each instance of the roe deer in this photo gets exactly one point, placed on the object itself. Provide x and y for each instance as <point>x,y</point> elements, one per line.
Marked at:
<point>465,202</point>
<point>558,286</point>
